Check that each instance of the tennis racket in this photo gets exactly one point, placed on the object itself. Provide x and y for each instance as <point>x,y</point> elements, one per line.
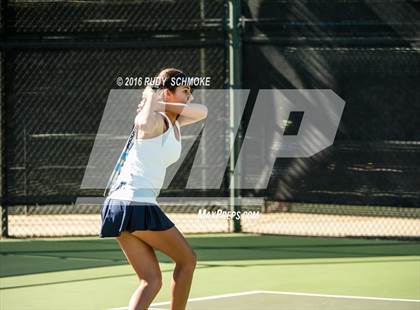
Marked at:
<point>123,156</point>
<point>120,162</point>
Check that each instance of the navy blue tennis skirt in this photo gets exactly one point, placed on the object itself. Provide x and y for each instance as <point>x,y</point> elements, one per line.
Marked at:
<point>123,215</point>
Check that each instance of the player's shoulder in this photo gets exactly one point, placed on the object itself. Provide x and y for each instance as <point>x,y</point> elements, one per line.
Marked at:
<point>154,126</point>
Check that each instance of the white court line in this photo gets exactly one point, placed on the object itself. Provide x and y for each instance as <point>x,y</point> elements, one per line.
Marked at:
<point>279,293</point>
<point>164,303</point>
<point>339,296</point>
<point>210,297</point>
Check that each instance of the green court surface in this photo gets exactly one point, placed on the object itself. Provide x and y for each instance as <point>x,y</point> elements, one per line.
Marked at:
<point>234,271</point>
<point>293,301</point>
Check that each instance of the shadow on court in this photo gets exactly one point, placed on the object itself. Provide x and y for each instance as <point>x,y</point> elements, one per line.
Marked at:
<point>21,257</point>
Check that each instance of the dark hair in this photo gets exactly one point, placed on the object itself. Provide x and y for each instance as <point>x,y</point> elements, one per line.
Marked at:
<point>166,76</point>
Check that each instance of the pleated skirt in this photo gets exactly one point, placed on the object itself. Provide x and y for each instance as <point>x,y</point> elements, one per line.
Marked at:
<point>123,215</point>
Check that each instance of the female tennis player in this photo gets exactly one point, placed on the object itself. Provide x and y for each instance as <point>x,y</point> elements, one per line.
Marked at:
<point>131,213</point>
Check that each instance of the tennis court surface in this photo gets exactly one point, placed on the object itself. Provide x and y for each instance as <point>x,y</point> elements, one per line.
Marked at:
<point>234,271</point>
<point>293,301</point>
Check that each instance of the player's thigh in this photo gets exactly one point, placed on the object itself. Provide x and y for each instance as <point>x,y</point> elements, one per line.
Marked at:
<point>171,242</point>
<point>141,256</point>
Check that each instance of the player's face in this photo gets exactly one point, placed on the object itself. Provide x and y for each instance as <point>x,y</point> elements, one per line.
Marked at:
<point>183,94</point>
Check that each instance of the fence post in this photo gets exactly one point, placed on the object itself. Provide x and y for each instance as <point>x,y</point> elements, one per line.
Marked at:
<point>4,225</point>
<point>234,60</point>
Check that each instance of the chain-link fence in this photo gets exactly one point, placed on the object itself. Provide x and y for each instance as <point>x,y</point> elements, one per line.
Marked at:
<point>366,183</point>
<point>61,59</point>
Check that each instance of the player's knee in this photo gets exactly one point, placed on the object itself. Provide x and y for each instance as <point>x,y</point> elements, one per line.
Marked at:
<point>153,277</point>
<point>190,261</point>
<point>154,283</point>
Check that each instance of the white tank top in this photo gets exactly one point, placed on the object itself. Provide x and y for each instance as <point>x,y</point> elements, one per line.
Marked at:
<point>142,175</point>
